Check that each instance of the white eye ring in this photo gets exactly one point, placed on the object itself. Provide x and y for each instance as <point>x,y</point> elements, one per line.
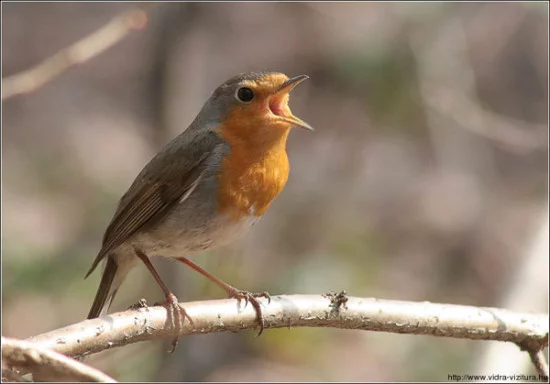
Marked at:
<point>244,95</point>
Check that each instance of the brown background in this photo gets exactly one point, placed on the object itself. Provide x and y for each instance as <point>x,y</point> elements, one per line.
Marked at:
<point>426,177</point>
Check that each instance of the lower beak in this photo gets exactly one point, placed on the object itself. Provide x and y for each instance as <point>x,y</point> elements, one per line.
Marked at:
<point>283,90</point>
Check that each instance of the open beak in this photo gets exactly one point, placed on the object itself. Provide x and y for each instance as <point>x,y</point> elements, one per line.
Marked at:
<point>278,102</point>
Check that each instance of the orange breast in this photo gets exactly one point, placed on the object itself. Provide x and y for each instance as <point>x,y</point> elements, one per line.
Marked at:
<point>256,169</point>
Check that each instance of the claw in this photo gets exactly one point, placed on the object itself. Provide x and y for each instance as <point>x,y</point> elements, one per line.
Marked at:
<point>252,298</point>
<point>267,296</point>
<point>173,308</point>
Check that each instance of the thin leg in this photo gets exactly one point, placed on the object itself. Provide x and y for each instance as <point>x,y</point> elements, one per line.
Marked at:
<point>171,302</point>
<point>153,271</point>
<point>233,292</point>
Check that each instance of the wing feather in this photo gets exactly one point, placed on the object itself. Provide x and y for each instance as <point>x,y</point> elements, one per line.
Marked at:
<point>163,182</point>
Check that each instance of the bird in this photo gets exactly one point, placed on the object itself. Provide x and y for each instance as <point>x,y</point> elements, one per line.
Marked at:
<point>206,188</point>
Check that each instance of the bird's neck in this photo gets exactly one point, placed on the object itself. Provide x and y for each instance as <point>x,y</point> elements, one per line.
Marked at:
<point>254,171</point>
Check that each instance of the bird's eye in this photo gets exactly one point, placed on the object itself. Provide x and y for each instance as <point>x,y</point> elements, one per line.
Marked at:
<point>245,94</point>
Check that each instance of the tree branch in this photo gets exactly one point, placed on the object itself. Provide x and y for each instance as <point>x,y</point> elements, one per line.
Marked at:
<point>336,310</point>
<point>50,365</point>
<point>92,45</point>
<point>537,357</point>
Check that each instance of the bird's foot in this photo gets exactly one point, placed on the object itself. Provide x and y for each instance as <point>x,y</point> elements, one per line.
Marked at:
<point>177,316</point>
<point>253,299</point>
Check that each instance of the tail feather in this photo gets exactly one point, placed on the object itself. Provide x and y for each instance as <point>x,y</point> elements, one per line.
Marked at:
<point>106,290</point>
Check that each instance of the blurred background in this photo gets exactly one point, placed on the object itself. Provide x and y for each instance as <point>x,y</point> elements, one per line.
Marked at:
<point>426,178</point>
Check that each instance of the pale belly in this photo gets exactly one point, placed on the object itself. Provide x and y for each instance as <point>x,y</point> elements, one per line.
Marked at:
<point>188,242</point>
<point>168,241</point>
<point>182,234</point>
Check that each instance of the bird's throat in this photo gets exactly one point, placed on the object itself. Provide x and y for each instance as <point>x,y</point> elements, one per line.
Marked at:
<point>253,173</point>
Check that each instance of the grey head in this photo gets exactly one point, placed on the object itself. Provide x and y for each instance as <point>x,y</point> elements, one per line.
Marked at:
<point>245,90</point>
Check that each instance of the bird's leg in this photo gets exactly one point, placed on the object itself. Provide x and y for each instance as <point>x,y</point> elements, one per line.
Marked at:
<point>174,309</point>
<point>233,292</point>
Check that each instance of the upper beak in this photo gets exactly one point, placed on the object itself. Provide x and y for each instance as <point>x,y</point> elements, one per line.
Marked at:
<point>284,89</point>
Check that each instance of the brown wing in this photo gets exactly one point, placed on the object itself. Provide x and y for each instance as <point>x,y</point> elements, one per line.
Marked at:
<point>170,177</point>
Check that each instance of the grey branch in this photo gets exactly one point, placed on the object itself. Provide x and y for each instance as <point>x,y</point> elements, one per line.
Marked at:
<point>81,51</point>
<point>337,311</point>
<point>49,365</point>
<point>537,357</point>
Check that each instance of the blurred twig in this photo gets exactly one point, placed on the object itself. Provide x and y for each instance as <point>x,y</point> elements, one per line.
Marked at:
<point>92,336</point>
<point>92,45</point>
<point>448,89</point>
<point>514,135</point>
<point>22,355</point>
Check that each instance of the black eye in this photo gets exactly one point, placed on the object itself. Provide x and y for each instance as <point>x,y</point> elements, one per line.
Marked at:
<point>245,94</point>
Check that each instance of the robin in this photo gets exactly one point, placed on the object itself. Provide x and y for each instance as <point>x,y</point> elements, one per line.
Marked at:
<point>204,189</point>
